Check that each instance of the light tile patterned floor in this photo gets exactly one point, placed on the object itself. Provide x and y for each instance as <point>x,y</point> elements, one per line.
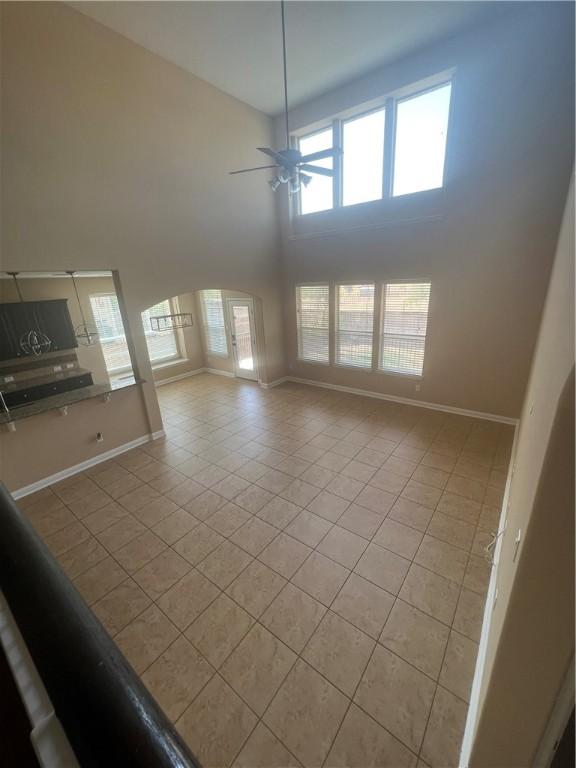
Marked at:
<point>297,574</point>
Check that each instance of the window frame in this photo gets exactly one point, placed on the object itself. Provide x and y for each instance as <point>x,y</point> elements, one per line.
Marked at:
<point>388,103</point>
<point>335,329</point>
<point>377,325</point>
<point>222,355</point>
<point>383,107</point>
<point>112,372</point>
<point>295,140</point>
<point>408,97</point>
<point>330,323</point>
<point>382,309</point>
<point>177,357</point>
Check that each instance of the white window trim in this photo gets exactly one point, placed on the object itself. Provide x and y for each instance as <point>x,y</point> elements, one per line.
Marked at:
<point>409,97</point>
<point>389,103</point>
<point>328,363</point>
<point>178,357</point>
<point>334,351</point>
<point>295,142</point>
<point>339,182</point>
<point>221,355</point>
<point>382,303</point>
<point>112,372</point>
<point>378,317</point>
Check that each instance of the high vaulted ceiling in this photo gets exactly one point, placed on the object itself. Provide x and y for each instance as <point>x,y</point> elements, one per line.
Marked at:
<point>236,45</point>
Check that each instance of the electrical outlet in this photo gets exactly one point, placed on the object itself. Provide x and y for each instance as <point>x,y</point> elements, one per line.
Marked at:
<point>417,387</point>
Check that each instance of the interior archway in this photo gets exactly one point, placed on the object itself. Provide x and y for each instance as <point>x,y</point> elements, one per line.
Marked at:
<point>215,329</point>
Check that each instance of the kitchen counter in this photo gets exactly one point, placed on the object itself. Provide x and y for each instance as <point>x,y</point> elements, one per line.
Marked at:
<point>37,381</point>
<point>64,399</point>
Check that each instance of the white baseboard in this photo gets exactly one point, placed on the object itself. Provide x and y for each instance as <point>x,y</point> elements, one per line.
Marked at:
<point>219,373</point>
<point>195,372</point>
<point>405,400</point>
<point>179,377</point>
<point>277,382</point>
<point>356,391</point>
<point>84,465</point>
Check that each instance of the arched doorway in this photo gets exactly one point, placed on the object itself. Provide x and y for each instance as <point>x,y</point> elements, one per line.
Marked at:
<point>213,330</point>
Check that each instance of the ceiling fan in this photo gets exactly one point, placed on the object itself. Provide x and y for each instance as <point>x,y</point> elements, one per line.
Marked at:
<point>293,166</point>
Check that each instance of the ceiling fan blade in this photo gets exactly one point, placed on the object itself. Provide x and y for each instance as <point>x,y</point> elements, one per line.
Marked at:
<point>323,153</point>
<point>258,168</point>
<point>280,159</point>
<point>316,169</point>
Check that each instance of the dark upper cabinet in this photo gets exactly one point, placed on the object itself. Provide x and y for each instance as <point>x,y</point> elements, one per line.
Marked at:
<point>14,318</point>
<point>53,320</point>
<point>30,328</point>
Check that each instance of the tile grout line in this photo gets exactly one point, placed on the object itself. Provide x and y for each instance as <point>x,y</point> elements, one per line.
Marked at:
<point>370,435</point>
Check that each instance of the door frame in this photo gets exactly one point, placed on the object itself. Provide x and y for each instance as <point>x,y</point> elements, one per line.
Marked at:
<point>473,716</point>
<point>239,373</point>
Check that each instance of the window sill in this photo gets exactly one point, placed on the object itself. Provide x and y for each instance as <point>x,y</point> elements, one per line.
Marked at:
<point>362,368</point>
<point>312,362</point>
<point>170,363</point>
<point>418,207</point>
<point>371,369</point>
<point>415,376</point>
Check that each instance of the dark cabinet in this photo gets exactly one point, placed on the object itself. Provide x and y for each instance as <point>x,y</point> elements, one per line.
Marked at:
<point>14,318</point>
<point>53,320</point>
<point>30,328</point>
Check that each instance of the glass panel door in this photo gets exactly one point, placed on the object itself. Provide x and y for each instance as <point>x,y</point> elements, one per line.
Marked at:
<point>241,315</point>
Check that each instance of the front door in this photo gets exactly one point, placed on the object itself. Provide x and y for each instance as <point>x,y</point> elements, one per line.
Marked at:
<point>241,315</point>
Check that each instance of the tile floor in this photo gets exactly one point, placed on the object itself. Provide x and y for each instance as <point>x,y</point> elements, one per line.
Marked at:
<point>296,574</point>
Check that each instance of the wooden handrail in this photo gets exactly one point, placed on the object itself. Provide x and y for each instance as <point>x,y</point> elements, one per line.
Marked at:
<point>108,715</point>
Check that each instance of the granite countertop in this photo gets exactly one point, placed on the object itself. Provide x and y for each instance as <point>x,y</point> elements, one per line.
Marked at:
<point>38,381</point>
<point>54,402</point>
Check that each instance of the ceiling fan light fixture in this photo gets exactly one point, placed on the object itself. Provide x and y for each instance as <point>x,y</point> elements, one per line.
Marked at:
<point>289,161</point>
<point>295,183</point>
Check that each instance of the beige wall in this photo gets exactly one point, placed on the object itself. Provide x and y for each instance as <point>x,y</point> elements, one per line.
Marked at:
<point>46,444</point>
<point>112,158</point>
<point>531,639</point>
<point>486,241</point>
